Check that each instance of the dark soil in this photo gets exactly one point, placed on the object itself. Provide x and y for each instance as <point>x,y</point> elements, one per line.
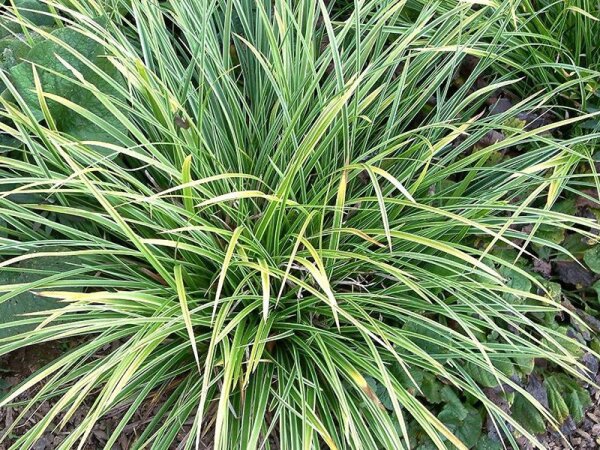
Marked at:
<point>16,367</point>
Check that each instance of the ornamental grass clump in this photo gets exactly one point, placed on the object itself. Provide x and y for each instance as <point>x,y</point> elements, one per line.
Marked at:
<point>297,224</point>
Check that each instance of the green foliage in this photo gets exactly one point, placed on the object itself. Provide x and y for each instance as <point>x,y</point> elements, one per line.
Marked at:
<point>566,398</point>
<point>557,403</point>
<point>563,339</point>
<point>318,222</point>
<point>592,258</point>
<point>486,443</point>
<point>34,12</point>
<point>381,392</point>
<point>464,422</point>
<point>55,66</point>
<point>24,276</point>
<point>524,364</point>
<point>482,376</point>
<point>578,400</point>
<point>516,281</point>
<point>529,417</point>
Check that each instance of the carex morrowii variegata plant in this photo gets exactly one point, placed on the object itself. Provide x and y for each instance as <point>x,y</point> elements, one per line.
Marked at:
<point>282,216</point>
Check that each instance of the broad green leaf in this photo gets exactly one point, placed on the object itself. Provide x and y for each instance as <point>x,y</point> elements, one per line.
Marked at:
<point>566,397</point>
<point>592,258</point>
<point>486,443</point>
<point>556,399</point>
<point>431,388</point>
<point>58,79</point>
<point>505,366</point>
<point>26,10</point>
<point>28,276</point>
<point>12,51</point>
<point>381,392</point>
<point>482,376</point>
<point>524,364</point>
<point>567,342</point>
<point>517,281</point>
<point>431,341</point>
<point>466,427</point>
<point>577,402</point>
<point>596,287</point>
<point>527,415</point>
